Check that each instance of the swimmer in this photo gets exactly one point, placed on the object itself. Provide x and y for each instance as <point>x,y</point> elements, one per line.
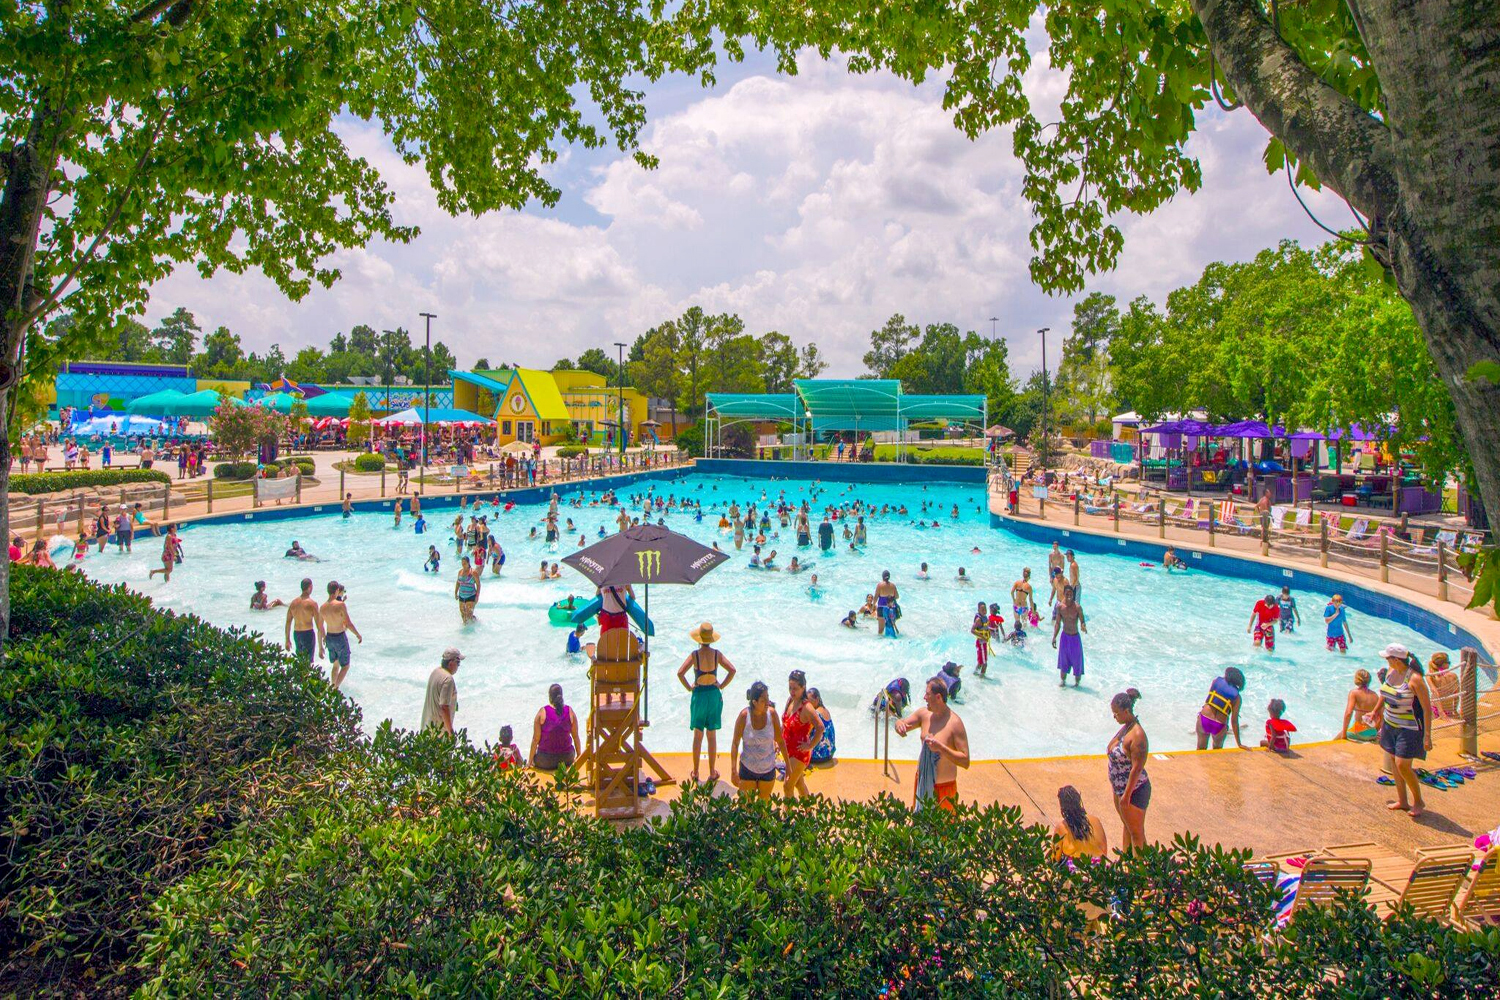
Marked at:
<point>399,502</point>
<point>851,620</point>
<point>794,566</point>
<point>336,623</point>
<point>1170,561</point>
<point>298,552</point>
<point>1021,598</point>
<point>260,602</point>
<point>981,632</point>
<point>434,560</point>
<point>755,558</point>
<point>963,578</point>
<point>868,609</point>
<point>575,640</point>
<point>419,523</point>
<point>974,551</point>
<point>543,574</point>
<point>556,573</point>
<point>813,590</point>
<point>769,561</point>
<point>348,508</point>
<point>922,573</point>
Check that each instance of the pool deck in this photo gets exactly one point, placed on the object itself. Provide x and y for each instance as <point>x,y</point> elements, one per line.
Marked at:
<point>1318,795</point>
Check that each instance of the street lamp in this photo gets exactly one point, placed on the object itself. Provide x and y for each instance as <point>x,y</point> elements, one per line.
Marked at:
<point>620,384</point>
<point>1045,387</point>
<point>427,393</point>
<point>994,326</point>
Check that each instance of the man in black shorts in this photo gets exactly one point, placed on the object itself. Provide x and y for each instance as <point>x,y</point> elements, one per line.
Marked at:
<point>304,623</point>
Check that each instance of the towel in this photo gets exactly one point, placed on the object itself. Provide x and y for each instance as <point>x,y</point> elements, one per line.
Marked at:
<point>926,777</point>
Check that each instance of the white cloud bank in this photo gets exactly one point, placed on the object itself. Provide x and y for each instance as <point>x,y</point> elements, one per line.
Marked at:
<point>816,205</point>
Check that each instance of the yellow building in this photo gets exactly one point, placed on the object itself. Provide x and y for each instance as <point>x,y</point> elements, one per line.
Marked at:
<point>551,407</point>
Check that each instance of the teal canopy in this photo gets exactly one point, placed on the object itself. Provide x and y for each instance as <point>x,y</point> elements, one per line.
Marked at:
<point>756,405</point>
<point>330,404</point>
<point>156,402</point>
<point>202,403</point>
<point>281,402</point>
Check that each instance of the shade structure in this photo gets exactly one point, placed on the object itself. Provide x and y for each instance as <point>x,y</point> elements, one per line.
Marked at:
<point>756,405</point>
<point>413,417</point>
<point>999,431</point>
<point>958,407</point>
<point>866,404</point>
<point>155,402</point>
<point>1241,429</point>
<point>645,554</point>
<point>515,448</point>
<point>281,402</point>
<point>330,404</point>
<point>202,403</point>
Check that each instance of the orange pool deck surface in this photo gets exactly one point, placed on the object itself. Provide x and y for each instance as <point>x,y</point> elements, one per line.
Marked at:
<point>1320,794</point>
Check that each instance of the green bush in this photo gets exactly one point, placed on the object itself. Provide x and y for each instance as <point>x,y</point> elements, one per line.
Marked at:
<point>132,743</point>
<point>305,465</point>
<point>52,482</point>
<point>369,463</point>
<point>235,470</point>
<point>690,439</point>
<point>430,867</point>
<point>572,451</point>
<point>271,469</point>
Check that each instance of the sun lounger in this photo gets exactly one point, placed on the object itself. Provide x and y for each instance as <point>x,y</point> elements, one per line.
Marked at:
<point>1434,882</point>
<point>1323,878</point>
<point>1479,904</point>
<point>1229,518</point>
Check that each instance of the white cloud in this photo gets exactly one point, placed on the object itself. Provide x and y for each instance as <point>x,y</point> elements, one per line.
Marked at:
<point>816,205</point>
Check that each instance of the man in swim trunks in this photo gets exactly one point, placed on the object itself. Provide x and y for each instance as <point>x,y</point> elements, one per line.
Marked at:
<point>336,624</point>
<point>612,613</point>
<point>1171,561</point>
<point>1263,618</point>
<point>1054,560</point>
<point>304,623</point>
<point>1221,710</point>
<point>886,596</point>
<point>945,748</point>
<point>1068,621</point>
<point>825,535</point>
<point>1073,575</point>
<point>1336,618</point>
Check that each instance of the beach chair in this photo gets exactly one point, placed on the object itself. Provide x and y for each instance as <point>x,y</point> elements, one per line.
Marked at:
<point>1358,533</point>
<point>1479,906</point>
<point>1446,537</point>
<point>1265,872</point>
<point>1434,882</point>
<point>1229,518</point>
<point>1278,516</point>
<point>1323,878</point>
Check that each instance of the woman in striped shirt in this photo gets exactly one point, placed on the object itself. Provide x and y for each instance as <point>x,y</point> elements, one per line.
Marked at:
<point>1405,724</point>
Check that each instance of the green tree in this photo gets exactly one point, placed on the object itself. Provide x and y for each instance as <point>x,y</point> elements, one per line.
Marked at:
<point>482,365</point>
<point>221,353</point>
<point>359,419</point>
<point>691,338</point>
<point>595,360</point>
<point>1085,380</point>
<point>175,336</point>
<point>308,366</point>
<point>889,344</point>
<point>657,372</point>
<point>779,361</point>
<point>810,363</point>
<point>363,340</point>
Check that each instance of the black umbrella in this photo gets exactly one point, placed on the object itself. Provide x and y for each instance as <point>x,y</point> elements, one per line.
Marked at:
<point>645,554</point>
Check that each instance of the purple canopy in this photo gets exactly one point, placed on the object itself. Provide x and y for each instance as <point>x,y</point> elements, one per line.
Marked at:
<point>1196,428</point>
<point>1242,429</point>
<point>1357,433</point>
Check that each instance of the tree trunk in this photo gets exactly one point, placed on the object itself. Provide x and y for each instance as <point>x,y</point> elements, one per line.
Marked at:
<point>1426,173</point>
<point>27,175</point>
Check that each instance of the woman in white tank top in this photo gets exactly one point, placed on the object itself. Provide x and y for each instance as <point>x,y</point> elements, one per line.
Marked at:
<point>758,732</point>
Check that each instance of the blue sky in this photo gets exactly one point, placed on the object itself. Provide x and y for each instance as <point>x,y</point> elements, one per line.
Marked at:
<point>816,205</point>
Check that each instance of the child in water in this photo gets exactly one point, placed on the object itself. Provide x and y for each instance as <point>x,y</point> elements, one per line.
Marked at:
<point>981,631</point>
<point>1017,635</point>
<point>851,620</point>
<point>434,560</point>
<point>1278,730</point>
<point>575,640</point>
<point>419,526</point>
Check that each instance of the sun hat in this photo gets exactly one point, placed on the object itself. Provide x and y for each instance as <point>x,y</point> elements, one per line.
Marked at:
<point>1395,651</point>
<point>704,633</point>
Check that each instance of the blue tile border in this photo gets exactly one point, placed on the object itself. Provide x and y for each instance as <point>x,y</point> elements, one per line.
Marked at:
<point>1429,625</point>
<point>843,472</point>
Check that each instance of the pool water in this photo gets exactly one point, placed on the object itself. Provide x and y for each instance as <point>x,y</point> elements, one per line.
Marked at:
<point>1165,635</point>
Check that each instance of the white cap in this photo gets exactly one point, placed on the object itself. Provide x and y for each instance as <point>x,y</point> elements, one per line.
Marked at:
<point>1395,651</point>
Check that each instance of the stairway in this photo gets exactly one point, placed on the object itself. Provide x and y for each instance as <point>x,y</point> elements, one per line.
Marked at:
<point>1020,463</point>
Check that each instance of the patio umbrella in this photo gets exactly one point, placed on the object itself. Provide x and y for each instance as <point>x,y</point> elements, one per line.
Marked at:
<point>154,402</point>
<point>516,448</point>
<point>202,403</point>
<point>999,431</point>
<point>645,554</point>
<point>330,404</point>
<point>280,402</point>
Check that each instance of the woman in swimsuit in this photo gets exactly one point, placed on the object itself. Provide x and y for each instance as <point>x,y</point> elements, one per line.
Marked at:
<point>1361,711</point>
<point>803,730</point>
<point>1126,758</point>
<point>706,710</point>
<point>466,589</point>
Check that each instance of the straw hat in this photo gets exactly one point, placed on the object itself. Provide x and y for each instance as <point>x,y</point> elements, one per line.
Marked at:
<point>704,634</point>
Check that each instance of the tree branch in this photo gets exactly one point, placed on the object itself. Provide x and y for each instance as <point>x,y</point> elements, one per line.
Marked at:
<point>1346,146</point>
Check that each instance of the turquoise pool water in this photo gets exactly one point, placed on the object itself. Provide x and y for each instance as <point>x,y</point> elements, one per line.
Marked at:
<point>1166,635</point>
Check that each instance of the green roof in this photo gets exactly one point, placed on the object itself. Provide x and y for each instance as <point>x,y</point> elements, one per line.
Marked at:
<point>855,399</point>
<point>756,405</point>
<point>958,407</point>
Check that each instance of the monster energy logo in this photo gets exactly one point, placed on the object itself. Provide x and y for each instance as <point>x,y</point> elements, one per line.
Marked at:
<point>648,562</point>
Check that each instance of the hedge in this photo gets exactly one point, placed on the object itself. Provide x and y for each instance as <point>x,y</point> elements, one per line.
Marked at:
<point>53,482</point>
<point>235,470</point>
<point>572,451</point>
<point>431,871</point>
<point>132,743</point>
<point>369,463</point>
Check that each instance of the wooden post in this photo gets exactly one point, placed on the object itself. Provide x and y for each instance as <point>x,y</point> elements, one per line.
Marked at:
<point>1385,556</point>
<point>1468,701</point>
<point>1041,503</point>
<point>1323,541</point>
<point>1403,530</point>
<point>1117,514</point>
<point>210,499</point>
<point>1161,516</point>
<point>382,480</point>
<point>341,484</point>
<point>1076,506</point>
<point>299,486</point>
<point>1265,533</point>
<point>1442,571</point>
<point>1212,517</point>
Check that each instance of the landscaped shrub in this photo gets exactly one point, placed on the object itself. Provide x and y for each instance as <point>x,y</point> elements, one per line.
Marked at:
<point>132,742</point>
<point>306,466</point>
<point>572,451</point>
<point>52,482</point>
<point>235,470</point>
<point>271,469</point>
<point>369,463</point>
<point>430,868</point>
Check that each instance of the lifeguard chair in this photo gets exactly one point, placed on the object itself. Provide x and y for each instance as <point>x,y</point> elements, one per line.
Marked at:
<point>616,752</point>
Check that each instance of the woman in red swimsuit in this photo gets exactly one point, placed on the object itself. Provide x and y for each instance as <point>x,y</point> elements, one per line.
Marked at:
<point>802,729</point>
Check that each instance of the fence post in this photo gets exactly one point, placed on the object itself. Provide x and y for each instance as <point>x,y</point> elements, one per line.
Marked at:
<point>210,499</point>
<point>299,486</point>
<point>1404,531</point>
<point>1468,701</point>
<point>1323,541</point>
<point>1442,571</point>
<point>382,480</point>
<point>1075,508</point>
<point>1161,516</point>
<point>1385,553</point>
<point>1117,514</point>
<point>1265,533</point>
<point>341,484</point>
<point>1212,531</point>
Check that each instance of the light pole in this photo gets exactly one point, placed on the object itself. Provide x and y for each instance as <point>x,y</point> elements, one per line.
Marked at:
<point>1045,387</point>
<point>427,393</point>
<point>994,327</point>
<point>620,385</point>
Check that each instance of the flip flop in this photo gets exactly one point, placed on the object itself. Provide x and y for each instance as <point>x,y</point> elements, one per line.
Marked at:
<point>1296,862</point>
<point>1426,777</point>
<point>1458,774</point>
<point>1385,779</point>
<point>1491,755</point>
<point>1449,775</point>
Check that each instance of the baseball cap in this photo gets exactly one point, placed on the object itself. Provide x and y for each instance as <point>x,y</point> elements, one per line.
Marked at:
<point>1395,651</point>
<point>452,653</point>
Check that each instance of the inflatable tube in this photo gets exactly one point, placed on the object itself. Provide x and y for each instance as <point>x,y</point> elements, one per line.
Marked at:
<point>634,610</point>
<point>560,614</point>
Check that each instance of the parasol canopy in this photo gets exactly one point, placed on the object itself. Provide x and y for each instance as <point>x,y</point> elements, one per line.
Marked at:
<point>155,402</point>
<point>645,553</point>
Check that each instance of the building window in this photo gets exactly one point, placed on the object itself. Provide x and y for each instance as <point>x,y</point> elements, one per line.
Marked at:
<point>505,427</point>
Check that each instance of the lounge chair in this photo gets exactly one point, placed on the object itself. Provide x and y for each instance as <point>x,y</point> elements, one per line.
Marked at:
<point>1434,882</point>
<point>1227,516</point>
<point>1324,877</point>
<point>1479,906</point>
